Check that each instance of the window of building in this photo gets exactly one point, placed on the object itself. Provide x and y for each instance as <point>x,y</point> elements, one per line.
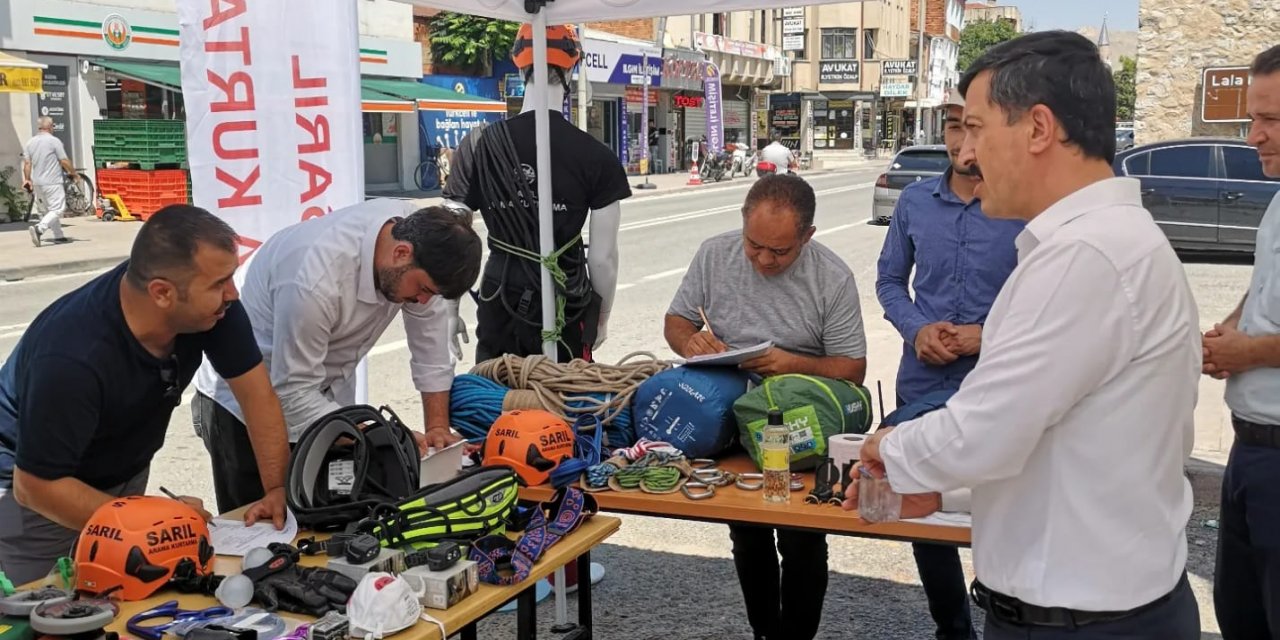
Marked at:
<point>718,24</point>
<point>839,44</point>
<point>869,39</point>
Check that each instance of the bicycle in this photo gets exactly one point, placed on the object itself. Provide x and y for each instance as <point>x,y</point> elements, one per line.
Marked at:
<point>79,195</point>
<point>433,172</point>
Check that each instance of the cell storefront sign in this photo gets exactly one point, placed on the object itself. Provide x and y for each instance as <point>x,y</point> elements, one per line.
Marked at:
<point>614,63</point>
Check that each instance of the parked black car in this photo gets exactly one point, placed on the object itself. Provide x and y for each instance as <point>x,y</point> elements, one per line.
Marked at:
<point>1207,194</point>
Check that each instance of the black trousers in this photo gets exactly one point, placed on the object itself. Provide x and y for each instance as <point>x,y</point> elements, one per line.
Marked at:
<point>1246,585</point>
<point>1178,618</point>
<point>942,577</point>
<point>783,602</point>
<point>235,469</point>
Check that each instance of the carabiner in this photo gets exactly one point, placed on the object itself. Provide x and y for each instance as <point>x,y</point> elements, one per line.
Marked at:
<point>742,482</point>
<point>707,492</point>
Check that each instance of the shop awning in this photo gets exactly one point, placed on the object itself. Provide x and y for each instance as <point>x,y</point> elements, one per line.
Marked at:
<point>165,76</point>
<point>429,97</point>
<point>375,102</point>
<point>19,75</point>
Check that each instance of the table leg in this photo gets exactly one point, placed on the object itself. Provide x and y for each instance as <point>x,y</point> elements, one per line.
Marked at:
<point>527,614</point>
<point>584,595</point>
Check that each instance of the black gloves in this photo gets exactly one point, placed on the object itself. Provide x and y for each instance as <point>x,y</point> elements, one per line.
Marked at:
<point>280,584</point>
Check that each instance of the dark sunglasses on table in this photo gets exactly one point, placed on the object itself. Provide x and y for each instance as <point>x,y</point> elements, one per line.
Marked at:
<point>169,376</point>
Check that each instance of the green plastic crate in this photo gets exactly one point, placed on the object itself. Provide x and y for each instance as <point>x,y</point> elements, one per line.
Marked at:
<point>140,141</point>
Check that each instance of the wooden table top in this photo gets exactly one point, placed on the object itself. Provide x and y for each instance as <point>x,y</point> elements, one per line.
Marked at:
<point>484,601</point>
<point>734,505</point>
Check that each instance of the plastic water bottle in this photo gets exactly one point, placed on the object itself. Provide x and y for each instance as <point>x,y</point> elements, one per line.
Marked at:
<point>775,458</point>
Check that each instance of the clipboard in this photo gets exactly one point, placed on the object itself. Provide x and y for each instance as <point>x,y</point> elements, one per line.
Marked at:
<point>730,358</point>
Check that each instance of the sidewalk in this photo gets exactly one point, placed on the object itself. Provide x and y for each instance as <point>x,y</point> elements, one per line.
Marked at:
<point>99,245</point>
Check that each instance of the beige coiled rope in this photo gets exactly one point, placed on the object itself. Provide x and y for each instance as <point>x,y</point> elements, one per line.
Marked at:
<point>538,383</point>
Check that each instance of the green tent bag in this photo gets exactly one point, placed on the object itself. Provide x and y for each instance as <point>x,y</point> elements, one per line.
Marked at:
<point>814,408</point>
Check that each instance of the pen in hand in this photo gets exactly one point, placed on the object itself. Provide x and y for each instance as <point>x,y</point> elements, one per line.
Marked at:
<point>175,497</point>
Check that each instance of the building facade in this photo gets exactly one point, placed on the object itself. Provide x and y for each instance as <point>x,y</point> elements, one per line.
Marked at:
<point>990,11</point>
<point>118,59</point>
<point>1192,65</point>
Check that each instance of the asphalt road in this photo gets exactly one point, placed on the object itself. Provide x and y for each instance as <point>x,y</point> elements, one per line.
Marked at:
<point>671,579</point>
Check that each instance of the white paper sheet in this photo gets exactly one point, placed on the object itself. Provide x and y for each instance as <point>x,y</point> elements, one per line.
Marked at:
<point>735,357</point>
<point>946,519</point>
<point>232,538</point>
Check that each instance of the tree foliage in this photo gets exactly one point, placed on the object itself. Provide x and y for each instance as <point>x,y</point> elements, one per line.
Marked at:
<point>1126,88</point>
<point>462,40</point>
<point>980,35</point>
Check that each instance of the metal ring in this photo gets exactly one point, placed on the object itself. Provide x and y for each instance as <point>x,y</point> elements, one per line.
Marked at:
<point>708,491</point>
<point>702,463</point>
<point>709,476</point>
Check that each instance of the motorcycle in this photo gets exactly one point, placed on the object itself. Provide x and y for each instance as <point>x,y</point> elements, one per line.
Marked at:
<point>765,169</point>
<point>739,163</point>
<point>715,167</point>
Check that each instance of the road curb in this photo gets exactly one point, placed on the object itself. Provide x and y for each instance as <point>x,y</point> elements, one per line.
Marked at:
<point>14,274</point>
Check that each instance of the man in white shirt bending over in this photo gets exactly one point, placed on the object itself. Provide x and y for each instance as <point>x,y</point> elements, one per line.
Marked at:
<point>1245,349</point>
<point>319,295</point>
<point>1073,428</point>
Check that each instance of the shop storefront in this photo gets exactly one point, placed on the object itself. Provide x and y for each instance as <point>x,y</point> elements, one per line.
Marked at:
<point>120,63</point>
<point>682,114</point>
<point>745,69</point>
<point>616,68</point>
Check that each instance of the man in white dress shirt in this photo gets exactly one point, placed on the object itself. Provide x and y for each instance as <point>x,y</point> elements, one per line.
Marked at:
<point>319,295</point>
<point>1073,428</point>
<point>1245,349</point>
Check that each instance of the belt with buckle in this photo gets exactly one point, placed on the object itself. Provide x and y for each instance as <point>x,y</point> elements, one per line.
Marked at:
<point>1013,611</point>
<point>1259,435</point>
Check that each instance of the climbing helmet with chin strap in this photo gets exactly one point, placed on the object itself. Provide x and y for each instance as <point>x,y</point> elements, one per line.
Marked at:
<point>131,546</point>
<point>532,442</point>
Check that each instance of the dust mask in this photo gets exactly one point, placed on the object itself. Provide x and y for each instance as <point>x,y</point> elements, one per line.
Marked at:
<point>382,605</point>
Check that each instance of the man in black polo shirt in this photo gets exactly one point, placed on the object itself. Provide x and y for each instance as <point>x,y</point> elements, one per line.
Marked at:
<point>86,396</point>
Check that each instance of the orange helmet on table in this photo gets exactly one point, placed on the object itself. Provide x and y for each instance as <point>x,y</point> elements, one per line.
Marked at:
<point>131,546</point>
<point>531,442</point>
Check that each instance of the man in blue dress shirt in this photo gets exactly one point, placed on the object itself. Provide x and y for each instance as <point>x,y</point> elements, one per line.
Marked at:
<point>961,259</point>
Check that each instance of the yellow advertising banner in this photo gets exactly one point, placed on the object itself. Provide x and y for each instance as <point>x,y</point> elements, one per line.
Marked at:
<point>21,80</point>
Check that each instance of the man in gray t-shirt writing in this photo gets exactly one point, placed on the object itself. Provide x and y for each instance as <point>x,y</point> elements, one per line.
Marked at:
<point>772,282</point>
<point>44,160</point>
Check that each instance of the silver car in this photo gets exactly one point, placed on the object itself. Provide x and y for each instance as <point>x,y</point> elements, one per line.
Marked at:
<point>912,164</point>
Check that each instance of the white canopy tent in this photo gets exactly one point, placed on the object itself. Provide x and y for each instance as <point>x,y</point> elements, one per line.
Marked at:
<point>548,12</point>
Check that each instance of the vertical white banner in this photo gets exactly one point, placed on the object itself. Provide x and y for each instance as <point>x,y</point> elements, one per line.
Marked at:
<point>272,93</point>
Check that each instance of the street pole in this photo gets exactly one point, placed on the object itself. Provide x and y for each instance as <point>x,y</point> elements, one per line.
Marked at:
<point>583,84</point>
<point>644,121</point>
<point>920,75</point>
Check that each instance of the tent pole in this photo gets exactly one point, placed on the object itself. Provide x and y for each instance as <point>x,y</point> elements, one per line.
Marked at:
<point>542,122</point>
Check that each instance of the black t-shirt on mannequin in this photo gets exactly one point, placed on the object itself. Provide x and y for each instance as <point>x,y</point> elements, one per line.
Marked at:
<point>585,175</point>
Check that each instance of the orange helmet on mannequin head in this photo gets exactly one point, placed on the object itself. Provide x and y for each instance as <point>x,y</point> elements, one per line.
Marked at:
<point>564,50</point>
<point>533,443</point>
<point>131,546</point>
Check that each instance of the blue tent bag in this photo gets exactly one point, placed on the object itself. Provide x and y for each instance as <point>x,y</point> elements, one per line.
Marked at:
<point>691,408</point>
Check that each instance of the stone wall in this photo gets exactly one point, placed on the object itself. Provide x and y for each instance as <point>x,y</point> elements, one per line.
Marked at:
<point>1177,40</point>
<point>642,29</point>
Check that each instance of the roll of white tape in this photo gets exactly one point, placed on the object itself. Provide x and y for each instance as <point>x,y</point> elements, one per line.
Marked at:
<point>845,447</point>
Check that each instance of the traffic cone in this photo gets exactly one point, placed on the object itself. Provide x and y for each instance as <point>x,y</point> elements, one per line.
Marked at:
<point>695,177</point>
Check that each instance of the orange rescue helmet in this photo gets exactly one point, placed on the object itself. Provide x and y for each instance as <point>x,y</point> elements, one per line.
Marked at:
<point>531,442</point>
<point>563,47</point>
<point>131,546</point>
